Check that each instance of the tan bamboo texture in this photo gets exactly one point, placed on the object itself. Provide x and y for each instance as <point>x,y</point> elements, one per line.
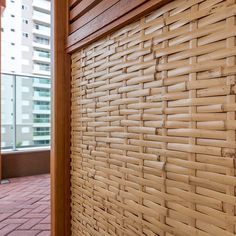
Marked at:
<point>153,125</point>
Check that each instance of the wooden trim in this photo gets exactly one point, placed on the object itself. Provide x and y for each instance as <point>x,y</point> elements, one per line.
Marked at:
<point>73,3</point>
<point>113,13</point>
<point>60,157</point>
<point>120,22</point>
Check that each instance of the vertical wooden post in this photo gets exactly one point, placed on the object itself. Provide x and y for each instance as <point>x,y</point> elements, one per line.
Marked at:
<point>2,6</point>
<point>60,157</point>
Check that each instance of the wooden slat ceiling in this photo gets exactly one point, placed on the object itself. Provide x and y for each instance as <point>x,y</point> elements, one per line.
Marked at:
<point>92,19</point>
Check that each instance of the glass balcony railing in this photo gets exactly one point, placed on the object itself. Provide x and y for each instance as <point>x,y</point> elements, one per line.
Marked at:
<point>26,111</point>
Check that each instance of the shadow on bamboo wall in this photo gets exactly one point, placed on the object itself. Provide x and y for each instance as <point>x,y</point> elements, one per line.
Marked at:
<point>153,125</point>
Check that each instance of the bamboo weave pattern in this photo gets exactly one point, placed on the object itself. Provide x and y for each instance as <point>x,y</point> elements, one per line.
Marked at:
<point>153,125</point>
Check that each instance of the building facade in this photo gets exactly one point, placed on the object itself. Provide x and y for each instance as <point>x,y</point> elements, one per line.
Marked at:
<point>26,84</point>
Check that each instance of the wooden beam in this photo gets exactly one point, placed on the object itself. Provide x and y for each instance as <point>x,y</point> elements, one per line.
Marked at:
<point>60,154</point>
<point>131,16</point>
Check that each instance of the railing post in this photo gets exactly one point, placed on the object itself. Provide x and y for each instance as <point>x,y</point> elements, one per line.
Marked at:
<point>14,113</point>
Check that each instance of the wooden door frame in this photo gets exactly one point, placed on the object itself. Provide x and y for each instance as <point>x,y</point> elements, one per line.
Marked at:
<point>60,154</point>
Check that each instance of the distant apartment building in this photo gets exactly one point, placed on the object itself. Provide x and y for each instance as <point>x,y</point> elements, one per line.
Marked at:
<point>26,73</point>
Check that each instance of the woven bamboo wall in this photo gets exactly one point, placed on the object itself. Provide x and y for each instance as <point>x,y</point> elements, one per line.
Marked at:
<point>153,125</point>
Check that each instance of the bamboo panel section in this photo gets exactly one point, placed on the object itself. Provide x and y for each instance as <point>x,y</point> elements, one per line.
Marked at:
<point>153,125</point>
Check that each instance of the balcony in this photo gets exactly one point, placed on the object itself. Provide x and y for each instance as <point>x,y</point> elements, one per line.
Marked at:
<point>39,97</point>
<point>42,5</point>
<point>41,57</point>
<point>41,70</point>
<point>42,32</point>
<point>39,45</point>
<point>42,83</point>
<point>40,17</point>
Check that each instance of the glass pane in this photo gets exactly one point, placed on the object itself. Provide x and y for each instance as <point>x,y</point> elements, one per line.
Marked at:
<point>7,101</point>
<point>33,111</point>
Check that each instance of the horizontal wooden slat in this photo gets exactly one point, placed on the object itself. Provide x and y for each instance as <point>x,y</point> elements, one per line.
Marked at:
<point>72,3</point>
<point>113,13</point>
<point>82,7</point>
<point>116,24</point>
<point>90,15</point>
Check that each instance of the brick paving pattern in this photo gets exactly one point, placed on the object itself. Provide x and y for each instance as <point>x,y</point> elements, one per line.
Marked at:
<point>25,206</point>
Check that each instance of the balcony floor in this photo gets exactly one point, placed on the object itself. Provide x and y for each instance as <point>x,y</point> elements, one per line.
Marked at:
<point>25,206</point>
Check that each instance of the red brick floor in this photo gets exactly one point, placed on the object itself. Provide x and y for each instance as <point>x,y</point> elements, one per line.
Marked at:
<point>25,206</point>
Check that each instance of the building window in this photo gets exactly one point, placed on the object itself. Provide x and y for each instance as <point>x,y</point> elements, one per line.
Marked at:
<point>25,21</point>
<point>42,118</point>
<point>41,27</point>
<point>42,53</point>
<point>43,66</point>
<point>26,35</point>
<point>42,92</point>
<point>13,44</point>
<point>42,81</point>
<point>12,30</point>
<point>42,105</point>
<point>12,16</point>
<point>2,29</point>
<point>42,131</point>
<point>12,1</point>
<point>13,58</point>
<point>41,40</point>
<point>24,7</point>
<point>41,142</point>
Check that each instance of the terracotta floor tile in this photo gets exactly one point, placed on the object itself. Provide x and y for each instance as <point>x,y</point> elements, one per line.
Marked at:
<point>25,206</point>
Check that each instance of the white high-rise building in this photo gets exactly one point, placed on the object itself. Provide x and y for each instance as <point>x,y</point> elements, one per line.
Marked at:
<point>26,70</point>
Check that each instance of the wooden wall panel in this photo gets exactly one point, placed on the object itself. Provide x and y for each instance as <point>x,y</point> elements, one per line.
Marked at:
<point>153,125</point>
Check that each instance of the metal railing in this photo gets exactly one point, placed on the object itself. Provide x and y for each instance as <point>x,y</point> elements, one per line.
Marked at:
<point>24,120</point>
